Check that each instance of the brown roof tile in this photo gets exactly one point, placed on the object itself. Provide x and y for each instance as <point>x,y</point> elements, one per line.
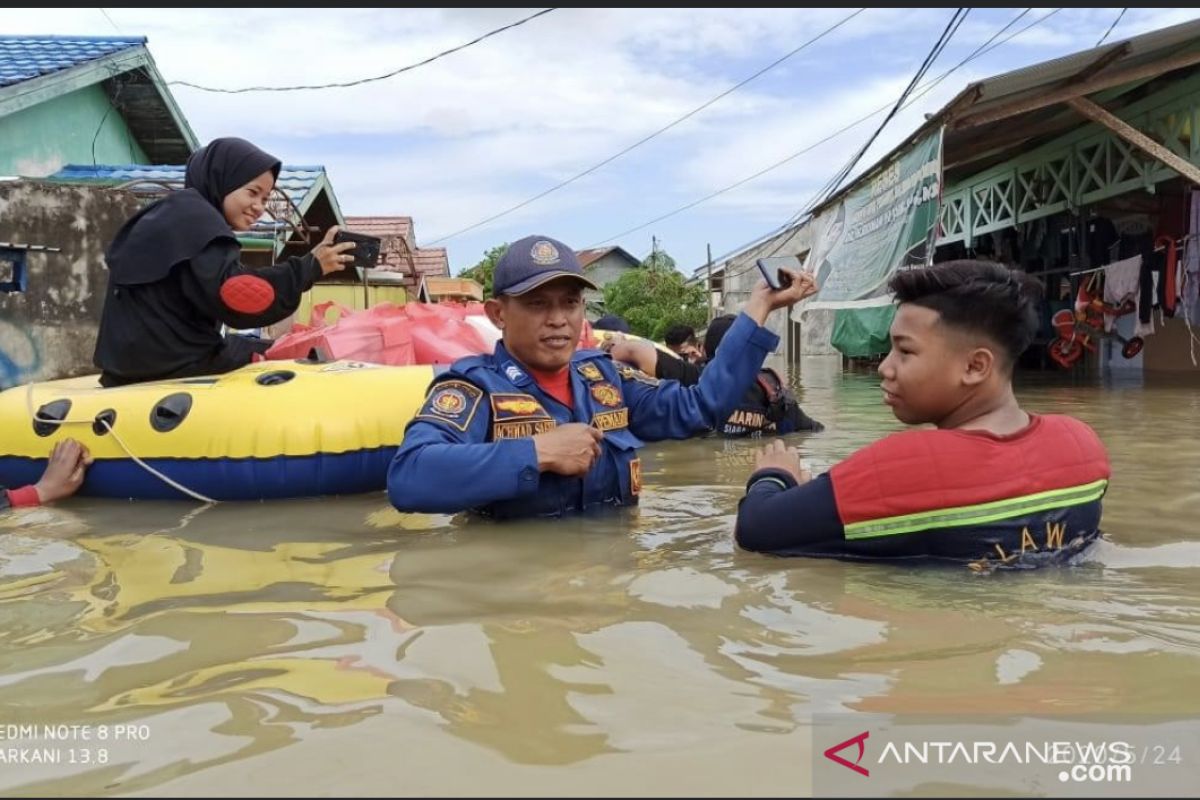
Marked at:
<point>586,257</point>
<point>431,261</point>
<point>385,228</point>
<point>453,287</point>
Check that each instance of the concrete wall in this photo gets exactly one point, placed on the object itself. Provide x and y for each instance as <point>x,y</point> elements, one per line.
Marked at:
<point>49,331</point>
<point>739,276</point>
<point>816,338</point>
<point>39,140</point>
<point>1172,346</point>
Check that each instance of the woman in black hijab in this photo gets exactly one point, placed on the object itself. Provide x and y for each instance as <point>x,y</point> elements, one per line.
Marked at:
<point>175,274</point>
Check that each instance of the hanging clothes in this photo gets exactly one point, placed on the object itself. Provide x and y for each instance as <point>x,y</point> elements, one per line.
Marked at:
<point>1121,281</point>
<point>1147,292</point>
<point>1190,295</point>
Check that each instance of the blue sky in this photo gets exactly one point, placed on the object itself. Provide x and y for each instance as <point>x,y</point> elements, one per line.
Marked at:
<point>479,131</point>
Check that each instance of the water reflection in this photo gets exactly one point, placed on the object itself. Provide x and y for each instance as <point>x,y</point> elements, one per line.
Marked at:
<point>634,644</point>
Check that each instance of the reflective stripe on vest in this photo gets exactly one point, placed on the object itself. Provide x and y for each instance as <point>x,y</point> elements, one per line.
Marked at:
<point>966,516</point>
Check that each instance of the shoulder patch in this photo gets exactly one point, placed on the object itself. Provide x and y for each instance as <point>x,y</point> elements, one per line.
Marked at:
<point>452,403</point>
<point>629,373</point>
<point>590,372</point>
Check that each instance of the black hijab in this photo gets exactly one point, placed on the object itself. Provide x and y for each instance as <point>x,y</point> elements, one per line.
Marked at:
<point>179,226</point>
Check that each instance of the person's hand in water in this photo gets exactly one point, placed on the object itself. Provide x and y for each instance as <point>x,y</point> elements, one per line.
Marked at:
<point>777,455</point>
<point>64,474</point>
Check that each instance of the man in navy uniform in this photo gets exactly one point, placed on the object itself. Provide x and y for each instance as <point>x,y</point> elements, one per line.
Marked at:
<point>538,429</point>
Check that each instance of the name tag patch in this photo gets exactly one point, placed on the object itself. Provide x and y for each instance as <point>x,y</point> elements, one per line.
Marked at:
<point>612,420</point>
<point>521,429</point>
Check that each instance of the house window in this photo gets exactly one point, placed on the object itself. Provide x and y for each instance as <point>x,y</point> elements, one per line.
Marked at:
<point>13,275</point>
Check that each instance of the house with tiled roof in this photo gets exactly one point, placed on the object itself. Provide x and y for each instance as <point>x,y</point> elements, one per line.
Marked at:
<point>399,253</point>
<point>603,265</point>
<point>85,99</point>
<point>436,290</point>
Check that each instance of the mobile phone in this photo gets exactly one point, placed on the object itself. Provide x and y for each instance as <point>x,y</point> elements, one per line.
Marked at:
<point>771,269</point>
<point>366,248</point>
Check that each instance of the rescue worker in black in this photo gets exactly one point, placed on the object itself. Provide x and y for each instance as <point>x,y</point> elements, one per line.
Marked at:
<point>768,406</point>
<point>175,274</point>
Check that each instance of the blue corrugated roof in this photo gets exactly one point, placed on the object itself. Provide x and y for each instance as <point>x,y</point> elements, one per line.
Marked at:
<point>26,57</point>
<point>294,181</point>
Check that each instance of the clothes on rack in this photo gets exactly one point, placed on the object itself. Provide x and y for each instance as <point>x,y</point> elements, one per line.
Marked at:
<point>1148,290</point>
<point>1121,279</point>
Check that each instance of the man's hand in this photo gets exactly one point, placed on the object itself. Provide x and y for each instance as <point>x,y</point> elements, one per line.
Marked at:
<point>611,339</point>
<point>64,472</point>
<point>642,355</point>
<point>763,300</point>
<point>777,455</point>
<point>569,449</point>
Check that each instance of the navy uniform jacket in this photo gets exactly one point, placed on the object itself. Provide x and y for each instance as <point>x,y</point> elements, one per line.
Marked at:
<point>768,407</point>
<point>470,445</point>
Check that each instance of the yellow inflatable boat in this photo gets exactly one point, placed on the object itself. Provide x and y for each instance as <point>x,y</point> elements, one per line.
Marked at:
<point>275,429</point>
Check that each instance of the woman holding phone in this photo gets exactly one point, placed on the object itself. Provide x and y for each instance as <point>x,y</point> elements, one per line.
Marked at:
<point>175,274</point>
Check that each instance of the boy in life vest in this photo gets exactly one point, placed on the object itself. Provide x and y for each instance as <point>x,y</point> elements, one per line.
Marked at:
<point>990,485</point>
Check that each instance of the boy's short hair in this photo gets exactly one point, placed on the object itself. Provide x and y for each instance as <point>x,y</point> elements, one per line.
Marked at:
<point>981,297</point>
<point>716,332</point>
<point>679,334</point>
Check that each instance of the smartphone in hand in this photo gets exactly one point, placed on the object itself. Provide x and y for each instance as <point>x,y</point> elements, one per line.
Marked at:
<point>366,248</point>
<point>771,269</point>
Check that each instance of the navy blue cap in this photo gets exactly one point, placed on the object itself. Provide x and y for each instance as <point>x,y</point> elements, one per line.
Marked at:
<point>611,322</point>
<point>532,261</point>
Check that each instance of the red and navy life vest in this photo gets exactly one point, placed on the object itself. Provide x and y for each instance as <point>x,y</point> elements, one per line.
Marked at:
<point>973,494</point>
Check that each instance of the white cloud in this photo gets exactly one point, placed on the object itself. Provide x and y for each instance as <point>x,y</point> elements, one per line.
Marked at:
<point>458,140</point>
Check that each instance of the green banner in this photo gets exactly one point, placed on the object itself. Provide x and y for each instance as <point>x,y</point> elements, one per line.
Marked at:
<point>886,223</point>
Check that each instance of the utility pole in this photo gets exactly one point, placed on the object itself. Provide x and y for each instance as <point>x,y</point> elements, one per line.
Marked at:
<point>708,291</point>
<point>654,252</point>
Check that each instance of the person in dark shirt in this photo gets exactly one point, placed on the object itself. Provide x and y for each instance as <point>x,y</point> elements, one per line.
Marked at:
<point>991,486</point>
<point>768,406</point>
<point>175,274</point>
<point>681,340</point>
<point>63,476</point>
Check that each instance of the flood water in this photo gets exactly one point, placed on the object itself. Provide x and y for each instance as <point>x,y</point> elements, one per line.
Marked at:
<point>335,646</point>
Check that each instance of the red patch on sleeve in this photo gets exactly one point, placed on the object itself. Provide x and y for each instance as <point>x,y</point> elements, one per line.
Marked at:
<point>25,497</point>
<point>247,294</point>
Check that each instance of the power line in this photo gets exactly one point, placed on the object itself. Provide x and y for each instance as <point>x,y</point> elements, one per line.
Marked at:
<point>1110,27</point>
<point>947,34</point>
<point>831,186</point>
<point>652,135</point>
<point>823,194</point>
<point>361,81</point>
<point>110,20</point>
<point>982,50</point>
